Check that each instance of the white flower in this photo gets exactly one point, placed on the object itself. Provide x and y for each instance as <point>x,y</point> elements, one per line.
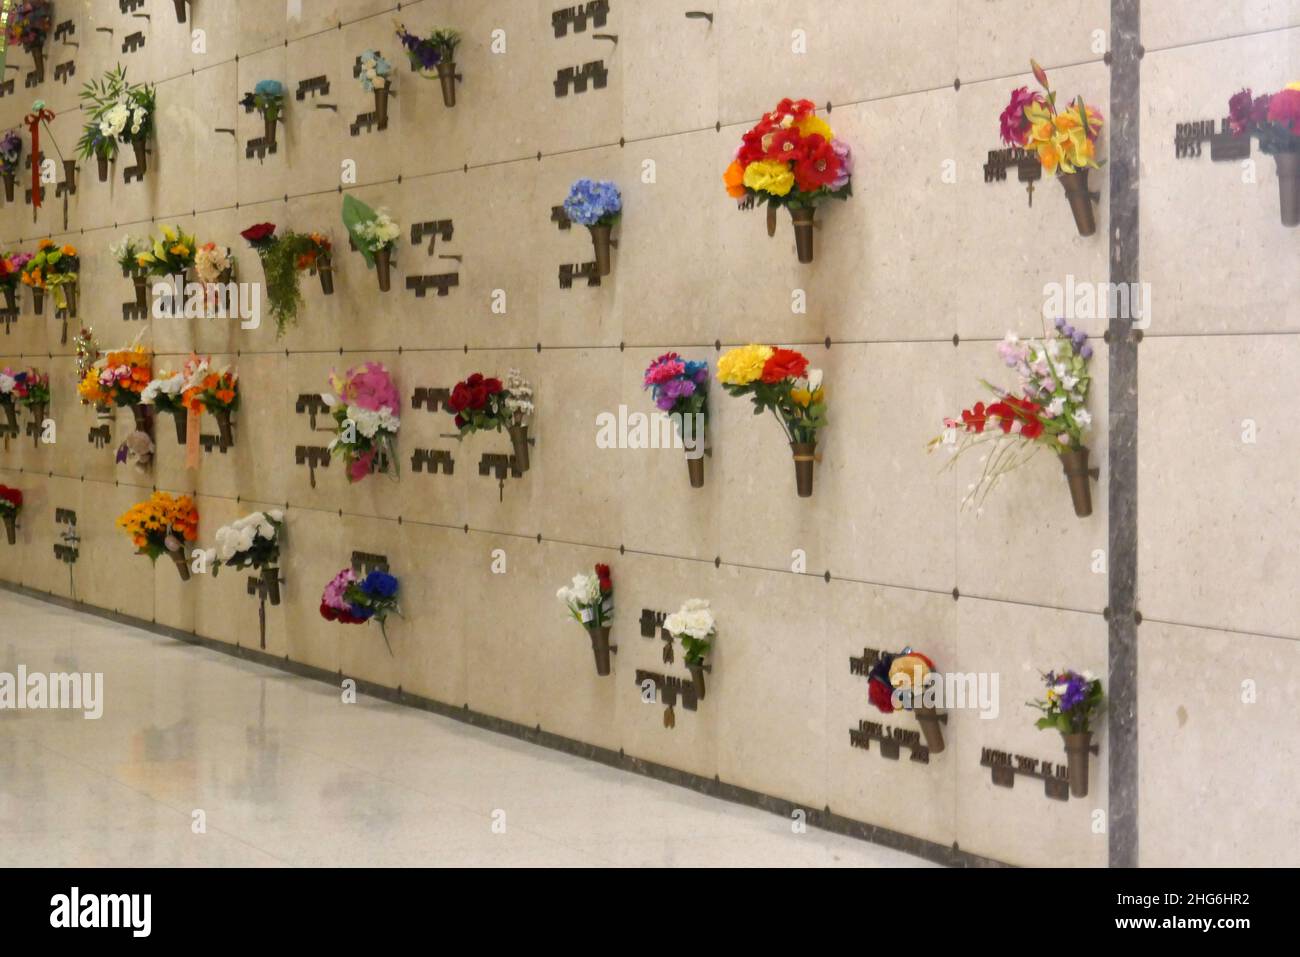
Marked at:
<point>1063,438</point>
<point>814,379</point>
<point>1070,381</point>
<point>276,514</point>
<point>7,383</point>
<point>1083,418</point>
<point>1055,407</point>
<point>693,620</point>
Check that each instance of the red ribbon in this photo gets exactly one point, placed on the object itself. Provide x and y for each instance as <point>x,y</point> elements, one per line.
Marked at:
<point>33,121</point>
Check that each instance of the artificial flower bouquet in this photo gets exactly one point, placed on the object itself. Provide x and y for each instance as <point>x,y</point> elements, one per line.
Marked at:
<point>166,393</point>
<point>792,158</point>
<point>11,151</point>
<point>126,253</point>
<point>117,112</point>
<point>598,205</point>
<point>1049,411</point>
<point>216,393</point>
<point>267,98</point>
<point>365,406</point>
<point>32,389</point>
<point>1064,141</point>
<point>899,681</point>
<point>519,413</point>
<point>375,235</point>
<point>780,380</point>
<point>56,268</point>
<point>479,405</point>
<point>1073,700</point>
<point>252,542</point>
<point>375,74</point>
<point>30,23</point>
<point>120,379</point>
<point>88,356</point>
<point>590,600</point>
<point>163,525</point>
<point>169,256</point>
<point>352,600</point>
<point>11,503</point>
<point>694,626</point>
<point>1274,118</point>
<point>680,389</point>
<point>433,56</point>
<point>214,267</point>
<point>9,398</point>
<point>316,255</point>
<point>12,267</point>
<point>282,258</point>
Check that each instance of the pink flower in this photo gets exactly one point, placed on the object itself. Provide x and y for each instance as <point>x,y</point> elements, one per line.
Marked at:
<point>1015,127</point>
<point>359,467</point>
<point>1284,107</point>
<point>667,366</point>
<point>845,154</point>
<point>369,387</point>
<point>333,595</point>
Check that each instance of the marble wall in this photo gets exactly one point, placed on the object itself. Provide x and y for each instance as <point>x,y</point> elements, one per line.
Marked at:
<point>916,278</point>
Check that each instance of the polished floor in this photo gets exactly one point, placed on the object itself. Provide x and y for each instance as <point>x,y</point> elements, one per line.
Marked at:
<point>283,773</point>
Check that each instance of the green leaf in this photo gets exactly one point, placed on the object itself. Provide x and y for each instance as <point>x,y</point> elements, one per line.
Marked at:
<point>355,213</point>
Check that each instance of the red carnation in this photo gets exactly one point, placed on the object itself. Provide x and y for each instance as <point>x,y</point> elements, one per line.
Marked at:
<point>606,583</point>
<point>328,613</point>
<point>784,364</point>
<point>1284,108</point>
<point>11,495</point>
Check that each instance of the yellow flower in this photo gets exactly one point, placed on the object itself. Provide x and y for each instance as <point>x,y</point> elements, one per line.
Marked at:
<point>811,124</point>
<point>770,176</point>
<point>1293,86</point>
<point>805,398</point>
<point>180,249</point>
<point>169,234</point>
<point>743,365</point>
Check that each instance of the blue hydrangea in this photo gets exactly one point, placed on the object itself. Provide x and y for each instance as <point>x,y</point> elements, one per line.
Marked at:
<point>593,203</point>
<point>269,88</point>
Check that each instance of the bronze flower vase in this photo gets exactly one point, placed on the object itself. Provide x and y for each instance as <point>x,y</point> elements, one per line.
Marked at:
<point>697,677</point>
<point>180,10</point>
<point>771,220</point>
<point>381,108</point>
<point>928,719</point>
<point>447,78</point>
<point>11,414</point>
<point>271,582</point>
<point>11,297</point>
<point>11,526</point>
<point>600,647</point>
<point>1288,184</point>
<point>225,428</point>
<point>38,61</point>
<point>70,175</point>
<point>38,300</point>
<point>102,162</point>
<point>141,156</point>
<point>1076,191</point>
<point>141,283</point>
<point>181,419</point>
<point>803,232</point>
<point>600,240</point>
<point>519,442</point>
<point>695,469</point>
<point>270,121</point>
<point>325,268</point>
<point>1078,474</point>
<point>182,565</point>
<point>804,458</point>
<point>39,412</point>
<point>143,421</point>
<point>383,266</point>
<point>1077,748</point>
<point>9,187</point>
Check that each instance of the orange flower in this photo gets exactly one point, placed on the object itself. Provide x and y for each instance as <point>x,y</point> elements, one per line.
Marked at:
<point>46,244</point>
<point>69,250</point>
<point>734,177</point>
<point>226,396</point>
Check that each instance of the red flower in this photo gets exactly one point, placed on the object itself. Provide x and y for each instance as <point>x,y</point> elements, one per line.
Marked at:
<point>460,421</point>
<point>459,400</point>
<point>1284,107</point>
<point>751,145</point>
<point>11,495</point>
<point>818,164</point>
<point>787,145</point>
<point>881,695</point>
<point>1005,413</point>
<point>493,386</point>
<point>784,364</point>
<point>796,108</point>
<point>606,583</point>
<point>262,232</point>
<point>975,419</point>
<point>328,613</point>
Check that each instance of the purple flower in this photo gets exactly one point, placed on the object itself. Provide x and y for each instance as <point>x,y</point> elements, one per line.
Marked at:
<point>845,154</point>
<point>1086,352</point>
<point>1079,338</point>
<point>678,389</point>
